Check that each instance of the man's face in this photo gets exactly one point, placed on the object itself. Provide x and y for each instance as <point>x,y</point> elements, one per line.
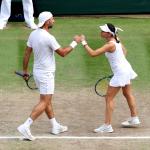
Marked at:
<point>51,22</point>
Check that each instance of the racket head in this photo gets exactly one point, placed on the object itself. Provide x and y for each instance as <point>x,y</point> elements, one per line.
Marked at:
<point>101,85</point>
<point>29,82</point>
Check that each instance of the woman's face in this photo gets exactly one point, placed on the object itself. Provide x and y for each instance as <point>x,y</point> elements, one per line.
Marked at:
<point>105,34</point>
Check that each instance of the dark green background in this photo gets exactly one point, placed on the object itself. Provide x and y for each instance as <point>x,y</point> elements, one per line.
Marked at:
<point>85,7</point>
<point>71,7</point>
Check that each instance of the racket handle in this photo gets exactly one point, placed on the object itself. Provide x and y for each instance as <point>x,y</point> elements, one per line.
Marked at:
<point>19,73</point>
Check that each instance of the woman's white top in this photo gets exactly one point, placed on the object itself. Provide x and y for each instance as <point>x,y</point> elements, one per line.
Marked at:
<point>120,67</point>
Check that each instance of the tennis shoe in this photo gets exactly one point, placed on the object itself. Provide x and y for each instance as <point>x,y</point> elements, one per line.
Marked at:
<point>104,128</point>
<point>25,131</point>
<point>59,129</point>
<point>132,121</point>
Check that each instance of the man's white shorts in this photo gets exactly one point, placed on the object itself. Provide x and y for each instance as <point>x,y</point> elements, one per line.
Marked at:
<point>44,81</point>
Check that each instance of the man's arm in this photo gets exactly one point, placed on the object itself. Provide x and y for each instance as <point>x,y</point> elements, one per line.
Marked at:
<point>26,58</point>
<point>66,50</point>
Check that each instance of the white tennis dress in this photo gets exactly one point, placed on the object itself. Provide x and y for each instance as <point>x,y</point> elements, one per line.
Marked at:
<point>120,67</point>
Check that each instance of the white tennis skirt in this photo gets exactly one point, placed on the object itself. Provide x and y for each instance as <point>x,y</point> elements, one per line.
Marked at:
<point>123,79</point>
<point>44,81</point>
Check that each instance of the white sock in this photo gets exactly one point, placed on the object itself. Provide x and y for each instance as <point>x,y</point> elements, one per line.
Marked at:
<point>53,122</point>
<point>28,122</point>
<point>107,124</point>
<point>135,117</point>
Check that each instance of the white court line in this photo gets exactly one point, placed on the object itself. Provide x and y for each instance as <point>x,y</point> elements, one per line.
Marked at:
<point>79,138</point>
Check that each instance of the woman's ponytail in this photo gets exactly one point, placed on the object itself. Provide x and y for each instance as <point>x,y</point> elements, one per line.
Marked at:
<point>116,38</point>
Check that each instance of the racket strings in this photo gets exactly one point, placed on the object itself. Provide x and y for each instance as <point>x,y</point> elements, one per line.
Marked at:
<point>31,83</point>
<point>102,85</point>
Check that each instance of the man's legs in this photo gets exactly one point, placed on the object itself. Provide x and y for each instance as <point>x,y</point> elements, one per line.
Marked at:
<point>28,13</point>
<point>44,105</point>
<point>5,13</point>
<point>41,106</point>
<point>49,110</point>
<point>24,129</point>
<point>56,127</point>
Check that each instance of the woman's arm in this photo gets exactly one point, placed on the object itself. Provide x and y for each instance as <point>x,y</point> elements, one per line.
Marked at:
<point>109,47</point>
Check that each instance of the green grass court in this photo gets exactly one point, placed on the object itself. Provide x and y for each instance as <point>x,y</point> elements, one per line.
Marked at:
<point>78,69</point>
<point>75,102</point>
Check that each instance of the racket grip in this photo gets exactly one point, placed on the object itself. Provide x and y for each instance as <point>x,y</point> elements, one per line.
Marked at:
<point>22,74</point>
<point>19,73</point>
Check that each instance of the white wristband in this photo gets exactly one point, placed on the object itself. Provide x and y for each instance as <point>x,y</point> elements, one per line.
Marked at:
<point>84,43</point>
<point>73,44</point>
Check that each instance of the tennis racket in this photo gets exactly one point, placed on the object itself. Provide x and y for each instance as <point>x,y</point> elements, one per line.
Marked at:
<point>101,85</point>
<point>29,82</point>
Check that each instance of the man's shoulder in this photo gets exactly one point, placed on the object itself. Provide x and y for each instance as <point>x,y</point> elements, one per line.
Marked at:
<point>50,35</point>
<point>33,32</point>
<point>45,33</point>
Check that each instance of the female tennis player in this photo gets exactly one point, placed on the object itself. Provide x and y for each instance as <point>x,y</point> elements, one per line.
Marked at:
<point>123,74</point>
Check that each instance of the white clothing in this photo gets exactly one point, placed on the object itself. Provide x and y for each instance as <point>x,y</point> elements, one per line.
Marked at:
<point>6,11</point>
<point>44,81</point>
<point>120,67</point>
<point>44,46</point>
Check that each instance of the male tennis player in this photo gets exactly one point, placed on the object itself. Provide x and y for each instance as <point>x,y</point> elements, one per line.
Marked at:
<point>43,45</point>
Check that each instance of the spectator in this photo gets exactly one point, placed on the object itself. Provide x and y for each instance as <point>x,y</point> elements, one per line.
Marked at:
<point>28,13</point>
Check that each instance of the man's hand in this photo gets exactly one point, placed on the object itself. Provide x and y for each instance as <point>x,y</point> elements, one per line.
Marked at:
<point>77,38</point>
<point>25,75</point>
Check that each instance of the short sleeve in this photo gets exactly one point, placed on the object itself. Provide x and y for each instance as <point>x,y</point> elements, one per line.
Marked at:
<point>54,45</point>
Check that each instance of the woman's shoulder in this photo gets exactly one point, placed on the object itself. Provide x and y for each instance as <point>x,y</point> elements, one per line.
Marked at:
<point>111,46</point>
